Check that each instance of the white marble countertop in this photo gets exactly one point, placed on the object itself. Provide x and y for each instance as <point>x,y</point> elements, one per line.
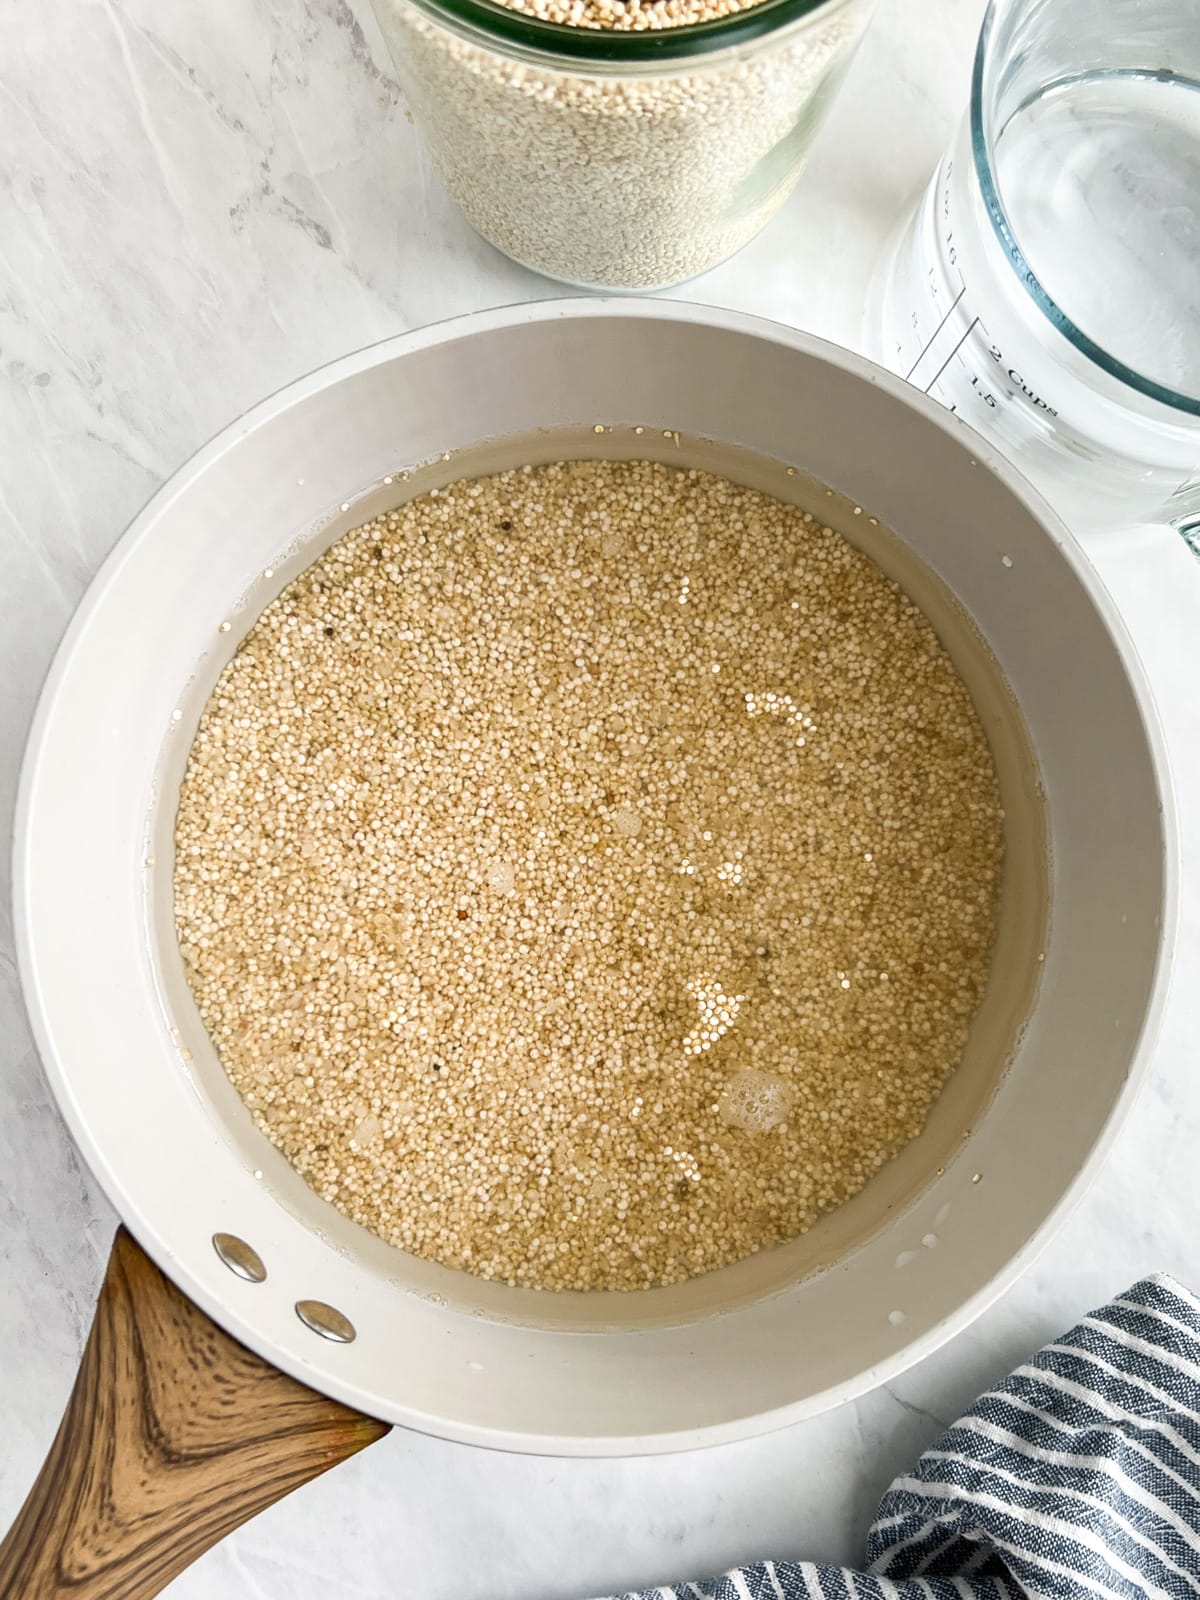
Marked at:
<point>200,203</point>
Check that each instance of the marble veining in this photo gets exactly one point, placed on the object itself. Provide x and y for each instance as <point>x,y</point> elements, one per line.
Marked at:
<point>198,204</point>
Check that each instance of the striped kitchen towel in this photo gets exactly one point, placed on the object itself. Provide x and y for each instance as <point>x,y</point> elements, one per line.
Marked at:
<point>1078,1476</point>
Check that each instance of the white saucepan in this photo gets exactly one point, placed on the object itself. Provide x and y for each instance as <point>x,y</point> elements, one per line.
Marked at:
<point>1053,1061</point>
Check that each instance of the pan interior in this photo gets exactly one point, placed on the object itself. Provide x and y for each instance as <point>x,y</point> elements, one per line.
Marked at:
<point>995,1032</point>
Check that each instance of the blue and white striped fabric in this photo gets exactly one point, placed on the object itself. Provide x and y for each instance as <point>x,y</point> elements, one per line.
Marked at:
<point>1079,1476</point>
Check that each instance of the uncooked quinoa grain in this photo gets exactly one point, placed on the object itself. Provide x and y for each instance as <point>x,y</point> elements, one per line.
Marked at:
<point>629,16</point>
<point>587,874</point>
<point>624,176</point>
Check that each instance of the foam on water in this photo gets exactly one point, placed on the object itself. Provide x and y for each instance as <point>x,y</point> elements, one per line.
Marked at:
<point>756,1102</point>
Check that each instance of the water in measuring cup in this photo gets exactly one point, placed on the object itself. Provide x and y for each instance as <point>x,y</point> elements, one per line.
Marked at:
<point>1100,176</point>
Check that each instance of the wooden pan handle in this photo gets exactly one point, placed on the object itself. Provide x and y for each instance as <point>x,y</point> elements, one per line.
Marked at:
<point>173,1436</point>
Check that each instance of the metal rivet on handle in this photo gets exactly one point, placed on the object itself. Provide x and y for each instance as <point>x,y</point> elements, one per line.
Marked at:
<point>326,1320</point>
<point>239,1257</point>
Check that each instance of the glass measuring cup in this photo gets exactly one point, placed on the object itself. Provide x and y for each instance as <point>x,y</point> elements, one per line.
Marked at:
<point>1047,288</point>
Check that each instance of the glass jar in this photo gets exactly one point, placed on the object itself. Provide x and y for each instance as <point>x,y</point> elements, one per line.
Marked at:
<point>620,159</point>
